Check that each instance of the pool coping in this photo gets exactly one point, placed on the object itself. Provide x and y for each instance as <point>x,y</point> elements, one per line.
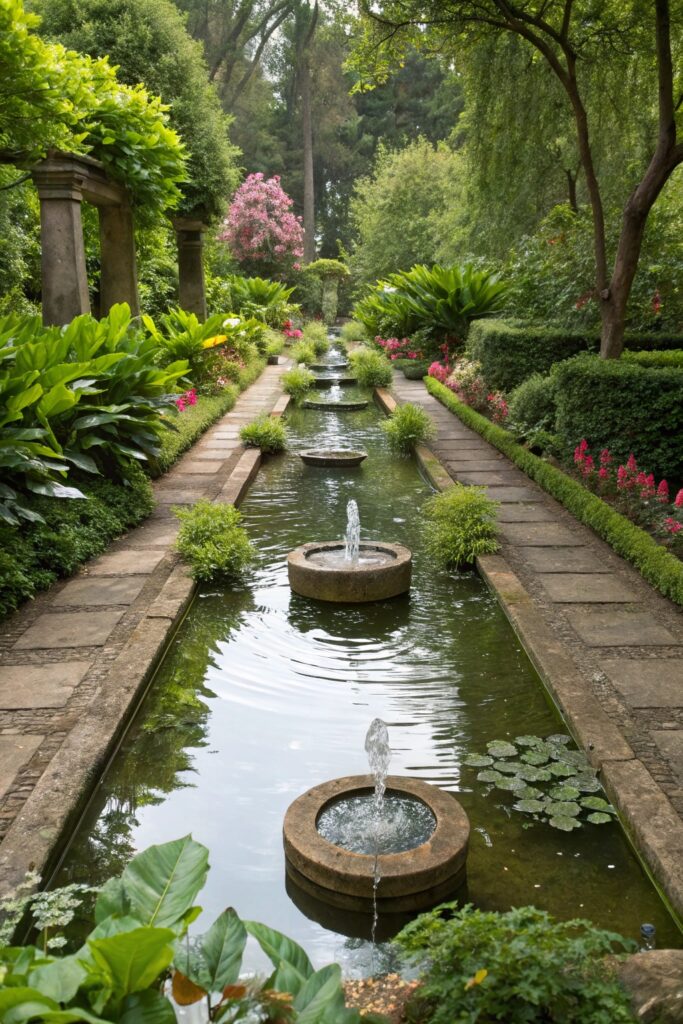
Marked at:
<point>36,839</point>
<point>649,820</point>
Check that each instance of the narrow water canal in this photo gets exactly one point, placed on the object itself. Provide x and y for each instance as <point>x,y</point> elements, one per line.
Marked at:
<point>264,694</point>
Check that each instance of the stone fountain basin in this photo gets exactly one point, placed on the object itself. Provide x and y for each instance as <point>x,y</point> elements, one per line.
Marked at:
<point>321,367</point>
<point>332,457</point>
<point>319,570</point>
<point>409,881</point>
<point>330,382</point>
<point>336,406</point>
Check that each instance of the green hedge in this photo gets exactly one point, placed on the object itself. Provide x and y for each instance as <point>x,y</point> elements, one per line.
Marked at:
<point>658,566</point>
<point>620,405</point>
<point>510,353</point>
<point>674,357</point>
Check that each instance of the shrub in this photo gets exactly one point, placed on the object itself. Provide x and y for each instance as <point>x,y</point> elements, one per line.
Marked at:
<point>660,568</point>
<point>352,331</point>
<point>256,297</point>
<point>371,368</point>
<point>315,334</point>
<point>213,542</point>
<point>297,382</point>
<point>414,369</point>
<point>303,352</point>
<point>519,967</point>
<point>624,407</point>
<point>674,357</point>
<point>533,407</point>
<point>267,433</point>
<point>274,342</point>
<point>408,426</point>
<point>460,525</point>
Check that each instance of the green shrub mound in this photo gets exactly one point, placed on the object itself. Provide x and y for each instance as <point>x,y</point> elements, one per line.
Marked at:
<point>35,555</point>
<point>407,427</point>
<point>267,433</point>
<point>315,334</point>
<point>303,352</point>
<point>533,407</point>
<point>352,331</point>
<point>460,525</point>
<point>213,542</point>
<point>672,357</point>
<point>659,567</point>
<point>297,382</point>
<point>521,967</point>
<point>372,369</point>
<point>509,353</point>
<point>624,407</point>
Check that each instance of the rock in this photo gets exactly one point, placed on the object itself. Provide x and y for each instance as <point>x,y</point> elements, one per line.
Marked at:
<point>654,981</point>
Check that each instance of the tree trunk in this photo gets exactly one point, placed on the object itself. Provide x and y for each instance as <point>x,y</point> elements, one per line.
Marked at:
<point>571,190</point>
<point>309,183</point>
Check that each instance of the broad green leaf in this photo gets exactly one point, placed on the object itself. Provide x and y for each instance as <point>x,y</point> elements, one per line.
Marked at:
<point>596,803</point>
<point>529,806</point>
<point>501,748</point>
<point>162,882</point>
<point>599,818</point>
<point>320,996</point>
<point>222,948</point>
<point>148,1007</point>
<point>111,899</point>
<point>478,761</point>
<point>134,959</point>
<point>563,793</point>
<point>59,980</point>
<point>489,776</point>
<point>564,824</point>
<point>278,947</point>
<point>562,809</point>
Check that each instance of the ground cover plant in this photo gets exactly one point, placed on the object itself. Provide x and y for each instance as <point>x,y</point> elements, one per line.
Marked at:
<point>372,369</point>
<point>213,542</point>
<point>460,525</point>
<point>521,967</point>
<point>408,426</point>
<point>138,953</point>
<point>297,382</point>
<point>265,432</point>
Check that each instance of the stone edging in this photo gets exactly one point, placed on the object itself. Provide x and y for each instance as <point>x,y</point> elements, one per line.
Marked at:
<point>647,816</point>
<point>65,787</point>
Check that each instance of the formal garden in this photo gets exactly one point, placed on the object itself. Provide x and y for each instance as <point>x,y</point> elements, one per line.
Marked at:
<point>341,511</point>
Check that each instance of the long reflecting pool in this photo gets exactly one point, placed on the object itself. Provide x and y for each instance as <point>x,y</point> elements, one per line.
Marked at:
<point>264,694</point>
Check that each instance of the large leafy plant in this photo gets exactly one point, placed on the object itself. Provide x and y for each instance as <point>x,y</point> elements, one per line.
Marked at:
<point>139,939</point>
<point>259,298</point>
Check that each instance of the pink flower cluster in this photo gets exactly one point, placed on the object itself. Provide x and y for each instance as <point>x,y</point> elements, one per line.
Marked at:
<point>293,332</point>
<point>260,224</point>
<point>398,349</point>
<point>439,371</point>
<point>189,398</point>
<point>635,491</point>
<point>498,407</point>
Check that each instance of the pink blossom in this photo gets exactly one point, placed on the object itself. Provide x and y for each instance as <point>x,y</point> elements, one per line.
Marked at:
<point>440,373</point>
<point>678,500</point>
<point>631,463</point>
<point>663,491</point>
<point>260,224</point>
<point>588,465</point>
<point>603,473</point>
<point>583,445</point>
<point>605,457</point>
<point>672,525</point>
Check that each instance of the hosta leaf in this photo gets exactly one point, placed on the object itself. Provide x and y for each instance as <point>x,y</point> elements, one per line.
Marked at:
<point>529,806</point>
<point>501,748</point>
<point>596,803</point>
<point>565,824</point>
<point>478,761</point>
<point>599,818</point>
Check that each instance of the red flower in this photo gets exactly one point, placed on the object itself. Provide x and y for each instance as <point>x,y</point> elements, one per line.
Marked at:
<point>656,302</point>
<point>663,491</point>
<point>631,463</point>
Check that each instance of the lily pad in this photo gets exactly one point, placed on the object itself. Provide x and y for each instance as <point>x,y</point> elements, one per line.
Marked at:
<point>599,818</point>
<point>478,761</point>
<point>559,738</point>
<point>489,776</point>
<point>587,783</point>
<point>575,757</point>
<point>511,784</point>
<point>529,806</point>
<point>530,793</point>
<point>564,793</point>
<point>564,824</point>
<point>562,770</point>
<point>562,809</point>
<point>508,767</point>
<point>528,741</point>
<point>596,803</point>
<point>534,757</point>
<point>501,748</point>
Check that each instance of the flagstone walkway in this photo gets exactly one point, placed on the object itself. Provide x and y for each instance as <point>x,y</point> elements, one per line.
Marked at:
<point>609,647</point>
<point>75,661</point>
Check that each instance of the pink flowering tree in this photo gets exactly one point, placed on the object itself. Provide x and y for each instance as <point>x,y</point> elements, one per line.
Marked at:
<point>265,237</point>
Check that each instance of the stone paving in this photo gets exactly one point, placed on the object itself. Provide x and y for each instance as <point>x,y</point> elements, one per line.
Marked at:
<point>624,638</point>
<point>60,654</point>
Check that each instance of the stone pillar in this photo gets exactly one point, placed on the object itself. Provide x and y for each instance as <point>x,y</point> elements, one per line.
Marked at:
<point>191,293</point>
<point>118,275</point>
<point>64,277</point>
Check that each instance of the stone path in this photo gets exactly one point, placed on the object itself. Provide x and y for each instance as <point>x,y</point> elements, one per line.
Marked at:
<point>74,661</point>
<point>612,643</point>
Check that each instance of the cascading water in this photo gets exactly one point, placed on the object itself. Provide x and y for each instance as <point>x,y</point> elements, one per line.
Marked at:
<point>352,537</point>
<point>379,755</point>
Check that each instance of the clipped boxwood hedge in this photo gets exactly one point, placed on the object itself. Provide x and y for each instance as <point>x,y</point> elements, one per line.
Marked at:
<point>509,353</point>
<point>623,406</point>
<point>659,567</point>
<point>674,357</point>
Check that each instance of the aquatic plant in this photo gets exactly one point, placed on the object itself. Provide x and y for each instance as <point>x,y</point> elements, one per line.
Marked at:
<point>547,780</point>
<point>408,426</point>
<point>372,369</point>
<point>297,382</point>
<point>213,542</point>
<point>265,432</point>
<point>303,352</point>
<point>460,525</point>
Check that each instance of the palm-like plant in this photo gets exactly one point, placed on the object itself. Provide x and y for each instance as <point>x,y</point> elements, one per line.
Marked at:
<point>260,298</point>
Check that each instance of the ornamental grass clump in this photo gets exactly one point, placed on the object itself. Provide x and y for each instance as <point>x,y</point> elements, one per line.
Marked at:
<point>267,433</point>
<point>297,382</point>
<point>408,426</point>
<point>303,352</point>
<point>460,525</point>
<point>372,369</point>
<point>315,334</point>
<point>213,542</point>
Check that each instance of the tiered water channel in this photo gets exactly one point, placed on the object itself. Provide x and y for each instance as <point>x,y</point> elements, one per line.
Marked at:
<point>264,694</point>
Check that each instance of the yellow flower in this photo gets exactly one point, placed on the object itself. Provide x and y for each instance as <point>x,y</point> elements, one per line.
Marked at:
<point>217,339</point>
<point>477,979</point>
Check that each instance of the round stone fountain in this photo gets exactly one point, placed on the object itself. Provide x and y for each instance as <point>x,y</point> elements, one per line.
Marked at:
<point>334,457</point>
<point>350,571</point>
<point>377,843</point>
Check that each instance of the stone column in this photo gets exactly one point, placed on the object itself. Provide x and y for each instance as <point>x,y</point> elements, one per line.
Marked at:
<point>118,275</point>
<point>191,293</point>
<point>64,277</point>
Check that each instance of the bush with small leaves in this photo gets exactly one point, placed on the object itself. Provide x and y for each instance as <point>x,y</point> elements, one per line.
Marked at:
<point>213,542</point>
<point>315,334</point>
<point>533,407</point>
<point>372,369</point>
<point>297,382</point>
<point>460,525</point>
<point>408,426</point>
<point>267,433</point>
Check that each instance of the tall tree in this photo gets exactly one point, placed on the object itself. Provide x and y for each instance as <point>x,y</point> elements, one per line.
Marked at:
<point>569,35</point>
